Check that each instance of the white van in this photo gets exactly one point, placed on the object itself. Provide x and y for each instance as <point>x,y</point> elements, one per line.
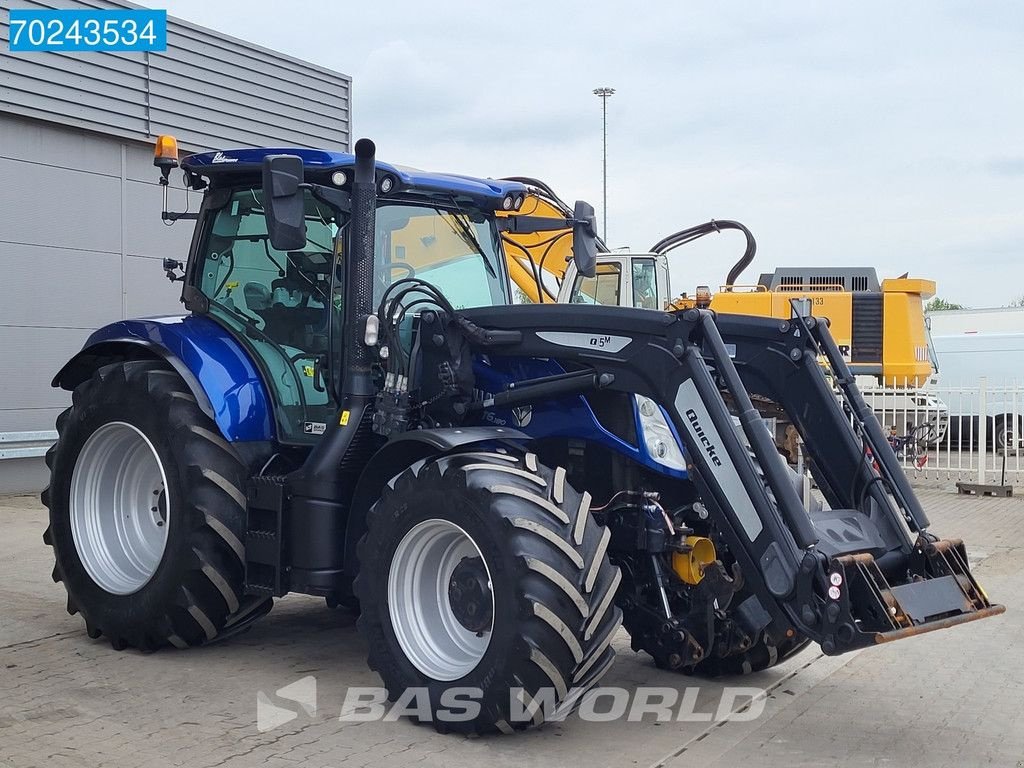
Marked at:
<point>971,345</point>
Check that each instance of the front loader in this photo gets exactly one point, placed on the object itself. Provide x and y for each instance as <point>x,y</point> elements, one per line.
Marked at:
<point>353,409</point>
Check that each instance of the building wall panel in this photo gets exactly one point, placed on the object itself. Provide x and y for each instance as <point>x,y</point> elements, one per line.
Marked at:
<point>81,240</point>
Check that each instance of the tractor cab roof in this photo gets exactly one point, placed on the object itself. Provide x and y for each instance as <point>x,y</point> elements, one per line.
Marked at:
<point>227,166</point>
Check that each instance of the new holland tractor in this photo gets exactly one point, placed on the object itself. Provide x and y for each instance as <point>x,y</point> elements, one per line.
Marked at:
<point>352,408</point>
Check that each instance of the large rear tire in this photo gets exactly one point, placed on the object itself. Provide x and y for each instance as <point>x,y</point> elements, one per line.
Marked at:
<point>485,571</point>
<point>147,511</point>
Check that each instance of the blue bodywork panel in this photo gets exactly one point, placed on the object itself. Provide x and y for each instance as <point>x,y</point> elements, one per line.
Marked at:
<point>486,192</point>
<point>570,416</point>
<point>241,405</point>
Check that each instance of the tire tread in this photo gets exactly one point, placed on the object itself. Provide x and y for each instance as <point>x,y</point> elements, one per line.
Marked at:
<point>565,630</point>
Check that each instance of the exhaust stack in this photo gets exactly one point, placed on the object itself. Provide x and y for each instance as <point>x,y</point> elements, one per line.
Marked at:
<point>359,270</point>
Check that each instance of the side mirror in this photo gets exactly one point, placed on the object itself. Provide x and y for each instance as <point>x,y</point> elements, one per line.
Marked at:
<point>584,238</point>
<point>284,204</point>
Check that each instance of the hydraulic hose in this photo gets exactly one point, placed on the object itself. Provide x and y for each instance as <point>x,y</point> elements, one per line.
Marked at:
<point>684,236</point>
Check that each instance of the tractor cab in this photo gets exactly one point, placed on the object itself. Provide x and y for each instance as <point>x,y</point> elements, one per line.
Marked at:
<point>286,306</point>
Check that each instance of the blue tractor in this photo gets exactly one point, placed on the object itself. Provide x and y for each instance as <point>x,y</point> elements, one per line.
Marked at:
<point>352,407</point>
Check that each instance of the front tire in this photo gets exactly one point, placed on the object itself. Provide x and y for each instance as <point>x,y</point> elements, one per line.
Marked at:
<point>763,654</point>
<point>486,571</point>
<point>147,511</point>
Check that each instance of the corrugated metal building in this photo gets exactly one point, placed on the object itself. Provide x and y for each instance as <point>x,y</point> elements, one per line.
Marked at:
<point>81,240</point>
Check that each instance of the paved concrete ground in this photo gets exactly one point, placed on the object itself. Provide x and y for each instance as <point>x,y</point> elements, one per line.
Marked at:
<point>950,698</point>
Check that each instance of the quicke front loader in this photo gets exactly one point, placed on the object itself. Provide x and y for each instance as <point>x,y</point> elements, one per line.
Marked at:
<point>352,408</point>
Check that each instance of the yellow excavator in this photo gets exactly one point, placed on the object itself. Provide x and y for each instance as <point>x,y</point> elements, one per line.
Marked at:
<point>878,325</point>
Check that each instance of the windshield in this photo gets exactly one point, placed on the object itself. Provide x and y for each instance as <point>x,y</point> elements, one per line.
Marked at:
<point>456,251</point>
<point>645,284</point>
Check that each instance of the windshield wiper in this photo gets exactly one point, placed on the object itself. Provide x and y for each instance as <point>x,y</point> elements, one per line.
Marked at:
<point>465,233</point>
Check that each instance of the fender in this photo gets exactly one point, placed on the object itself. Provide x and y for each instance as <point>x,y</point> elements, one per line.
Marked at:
<point>400,453</point>
<point>218,371</point>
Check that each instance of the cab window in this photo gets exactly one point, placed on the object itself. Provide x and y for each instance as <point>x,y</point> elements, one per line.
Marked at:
<point>277,303</point>
<point>456,251</point>
<point>602,288</point>
<point>645,284</point>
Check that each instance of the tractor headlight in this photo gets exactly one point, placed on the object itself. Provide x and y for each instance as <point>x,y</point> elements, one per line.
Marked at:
<point>657,434</point>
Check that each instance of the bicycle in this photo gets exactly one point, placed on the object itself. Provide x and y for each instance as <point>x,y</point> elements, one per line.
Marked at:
<point>912,447</point>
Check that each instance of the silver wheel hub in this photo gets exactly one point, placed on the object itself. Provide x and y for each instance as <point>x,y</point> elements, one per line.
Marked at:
<point>437,585</point>
<point>119,508</point>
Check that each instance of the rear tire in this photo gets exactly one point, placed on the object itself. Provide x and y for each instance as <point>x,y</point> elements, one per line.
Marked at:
<point>185,589</point>
<point>487,571</point>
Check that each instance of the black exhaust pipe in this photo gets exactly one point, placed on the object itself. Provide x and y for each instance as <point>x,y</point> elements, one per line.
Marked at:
<point>320,495</point>
<point>359,271</point>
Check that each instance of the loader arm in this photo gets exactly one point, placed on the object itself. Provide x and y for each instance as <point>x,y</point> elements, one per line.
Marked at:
<point>864,571</point>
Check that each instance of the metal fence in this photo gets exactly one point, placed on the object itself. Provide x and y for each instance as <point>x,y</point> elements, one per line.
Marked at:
<point>940,434</point>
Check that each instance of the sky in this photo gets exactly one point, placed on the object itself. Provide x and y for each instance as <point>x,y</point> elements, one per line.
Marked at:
<point>845,134</point>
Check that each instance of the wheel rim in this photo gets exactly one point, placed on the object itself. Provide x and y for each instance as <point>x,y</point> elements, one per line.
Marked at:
<point>119,508</point>
<point>420,584</point>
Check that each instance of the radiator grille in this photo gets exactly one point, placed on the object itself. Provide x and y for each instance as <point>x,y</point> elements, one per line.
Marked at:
<point>866,344</point>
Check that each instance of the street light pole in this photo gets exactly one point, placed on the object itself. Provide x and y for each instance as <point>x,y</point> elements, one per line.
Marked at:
<point>604,93</point>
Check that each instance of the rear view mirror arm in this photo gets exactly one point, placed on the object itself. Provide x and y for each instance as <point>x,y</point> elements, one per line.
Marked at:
<point>527,224</point>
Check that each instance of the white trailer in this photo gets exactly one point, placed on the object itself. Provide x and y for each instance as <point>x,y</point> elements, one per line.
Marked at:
<point>980,358</point>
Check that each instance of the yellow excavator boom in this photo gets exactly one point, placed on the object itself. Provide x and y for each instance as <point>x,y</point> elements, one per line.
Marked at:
<point>537,261</point>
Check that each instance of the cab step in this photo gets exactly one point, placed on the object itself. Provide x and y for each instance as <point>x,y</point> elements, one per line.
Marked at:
<point>264,537</point>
